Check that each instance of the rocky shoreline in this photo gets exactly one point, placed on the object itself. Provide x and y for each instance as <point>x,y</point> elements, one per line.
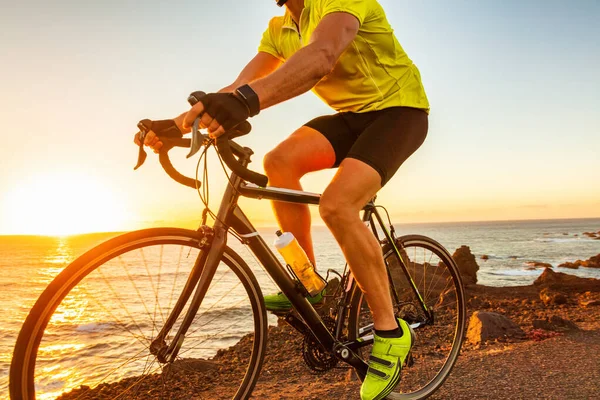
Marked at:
<point>557,313</point>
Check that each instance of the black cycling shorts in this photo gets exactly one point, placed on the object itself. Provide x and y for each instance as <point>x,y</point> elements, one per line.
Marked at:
<point>383,139</point>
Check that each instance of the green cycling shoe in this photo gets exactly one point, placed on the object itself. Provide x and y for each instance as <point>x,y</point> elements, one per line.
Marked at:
<point>388,356</point>
<point>279,301</point>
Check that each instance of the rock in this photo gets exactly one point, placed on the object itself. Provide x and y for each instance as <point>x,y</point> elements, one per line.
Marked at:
<point>537,264</point>
<point>590,234</point>
<point>589,303</point>
<point>550,297</point>
<point>485,257</point>
<point>569,265</point>
<point>466,264</point>
<point>555,324</point>
<point>484,326</point>
<point>565,282</point>
<point>475,302</point>
<point>513,257</point>
<point>448,297</point>
<point>592,262</point>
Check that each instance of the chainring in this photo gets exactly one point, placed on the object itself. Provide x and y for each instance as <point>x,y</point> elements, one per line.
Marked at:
<point>316,358</point>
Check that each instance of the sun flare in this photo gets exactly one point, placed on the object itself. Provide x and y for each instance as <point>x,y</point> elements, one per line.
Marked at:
<point>62,204</point>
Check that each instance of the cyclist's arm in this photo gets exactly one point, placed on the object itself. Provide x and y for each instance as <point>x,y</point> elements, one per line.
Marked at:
<point>310,64</point>
<point>260,66</point>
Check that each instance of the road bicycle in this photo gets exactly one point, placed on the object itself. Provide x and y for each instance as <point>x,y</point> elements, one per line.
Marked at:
<point>176,313</point>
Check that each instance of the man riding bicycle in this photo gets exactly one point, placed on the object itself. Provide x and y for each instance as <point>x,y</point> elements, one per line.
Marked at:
<point>347,53</point>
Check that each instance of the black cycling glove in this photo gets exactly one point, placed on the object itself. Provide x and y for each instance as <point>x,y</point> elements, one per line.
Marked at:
<point>162,128</point>
<point>226,108</point>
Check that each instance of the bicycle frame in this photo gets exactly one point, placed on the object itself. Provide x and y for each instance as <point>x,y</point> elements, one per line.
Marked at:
<point>230,216</point>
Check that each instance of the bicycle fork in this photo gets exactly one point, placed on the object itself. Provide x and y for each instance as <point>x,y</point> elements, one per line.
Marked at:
<point>199,280</point>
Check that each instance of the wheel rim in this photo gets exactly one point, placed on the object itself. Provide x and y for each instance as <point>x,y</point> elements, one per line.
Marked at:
<point>437,345</point>
<point>104,317</point>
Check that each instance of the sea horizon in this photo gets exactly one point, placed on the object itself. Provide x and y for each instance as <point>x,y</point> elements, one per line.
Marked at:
<point>317,225</point>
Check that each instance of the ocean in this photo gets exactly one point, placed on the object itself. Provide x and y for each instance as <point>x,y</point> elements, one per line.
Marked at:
<point>29,263</point>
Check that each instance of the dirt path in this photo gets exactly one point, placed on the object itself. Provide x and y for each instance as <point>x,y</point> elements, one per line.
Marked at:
<point>566,367</point>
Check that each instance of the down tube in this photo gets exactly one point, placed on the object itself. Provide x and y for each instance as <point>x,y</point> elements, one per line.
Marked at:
<point>242,225</point>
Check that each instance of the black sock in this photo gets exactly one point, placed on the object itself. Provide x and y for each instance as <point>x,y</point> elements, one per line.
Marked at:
<point>391,334</point>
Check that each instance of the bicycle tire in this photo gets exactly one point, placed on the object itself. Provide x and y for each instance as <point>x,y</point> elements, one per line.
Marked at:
<point>454,295</point>
<point>83,273</point>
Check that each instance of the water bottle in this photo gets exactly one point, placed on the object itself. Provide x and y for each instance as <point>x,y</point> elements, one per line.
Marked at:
<point>296,258</point>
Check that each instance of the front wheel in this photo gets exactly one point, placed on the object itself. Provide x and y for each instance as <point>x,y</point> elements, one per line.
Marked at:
<point>88,336</point>
<point>436,309</point>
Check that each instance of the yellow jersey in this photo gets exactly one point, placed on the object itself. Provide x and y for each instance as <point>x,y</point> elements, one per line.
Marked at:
<point>373,73</point>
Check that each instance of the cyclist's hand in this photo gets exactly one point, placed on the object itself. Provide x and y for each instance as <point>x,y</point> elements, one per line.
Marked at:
<point>220,112</point>
<point>151,140</point>
<point>165,128</point>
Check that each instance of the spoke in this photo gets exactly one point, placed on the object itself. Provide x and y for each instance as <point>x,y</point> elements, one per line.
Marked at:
<point>176,275</point>
<point>138,381</point>
<point>136,357</point>
<point>119,323</point>
<point>215,303</point>
<point>156,302</point>
<point>153,289</point>
<point>138,293</point>
<point>213,335</point>
<point>118,298</point>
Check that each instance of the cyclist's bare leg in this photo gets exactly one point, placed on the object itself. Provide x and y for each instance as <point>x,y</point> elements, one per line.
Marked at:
<point>354,184</point>
<point>304,151</point>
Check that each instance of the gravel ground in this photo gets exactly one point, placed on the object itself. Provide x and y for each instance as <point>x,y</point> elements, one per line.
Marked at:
<point>561,367</point>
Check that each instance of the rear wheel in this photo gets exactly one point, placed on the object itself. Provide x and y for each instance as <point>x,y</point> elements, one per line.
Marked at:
<point>438,341</point>
<point>88,335</point>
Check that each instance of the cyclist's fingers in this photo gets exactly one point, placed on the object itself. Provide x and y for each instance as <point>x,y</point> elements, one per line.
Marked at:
<point>218,132</point>
<point>191,116</point>
<point>154,140</point>
<point>214,125</point>
<point>206,120</point>
<point>150,136</point>
<point>136,138</point>
<point>157,147</point>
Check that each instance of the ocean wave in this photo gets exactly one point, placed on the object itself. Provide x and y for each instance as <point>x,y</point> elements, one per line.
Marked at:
<point>565,240</point>
<point>515,272</point>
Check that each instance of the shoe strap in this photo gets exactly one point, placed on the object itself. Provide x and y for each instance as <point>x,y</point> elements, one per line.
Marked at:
<point>381,361</point>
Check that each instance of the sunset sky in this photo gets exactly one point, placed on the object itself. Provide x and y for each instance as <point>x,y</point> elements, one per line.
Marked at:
<point>514,88</point>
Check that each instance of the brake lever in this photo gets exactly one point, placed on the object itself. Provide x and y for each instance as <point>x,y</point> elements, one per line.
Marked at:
<point>141,152</point>
<point>197,137</point>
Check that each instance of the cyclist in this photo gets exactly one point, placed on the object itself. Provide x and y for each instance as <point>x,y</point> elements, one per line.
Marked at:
<point>347,53</point>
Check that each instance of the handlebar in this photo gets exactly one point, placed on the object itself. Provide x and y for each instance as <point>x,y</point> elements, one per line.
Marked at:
<point>226,147</point>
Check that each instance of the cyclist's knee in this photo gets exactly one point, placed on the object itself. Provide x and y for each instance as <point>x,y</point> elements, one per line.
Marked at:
<point>278,164</point>
<point>334,211</point>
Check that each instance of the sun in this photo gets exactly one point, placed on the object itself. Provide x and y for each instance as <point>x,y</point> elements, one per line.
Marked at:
<point>62,204</point>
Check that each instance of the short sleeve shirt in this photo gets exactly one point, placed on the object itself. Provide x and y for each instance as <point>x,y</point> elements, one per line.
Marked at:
<point>373,73</point>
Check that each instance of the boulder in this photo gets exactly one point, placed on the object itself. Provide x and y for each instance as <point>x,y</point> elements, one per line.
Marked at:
<point>537,264</point>
<point>447,297</point>
<point>564,282</point>
<point>485,257</point>
<point>555,324</point>
<point>592,262</point>
<point>466,264</point>
<point>551,297</point>
<point>589,303</point>
<point>569,265</point>
<point>484,326</point>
